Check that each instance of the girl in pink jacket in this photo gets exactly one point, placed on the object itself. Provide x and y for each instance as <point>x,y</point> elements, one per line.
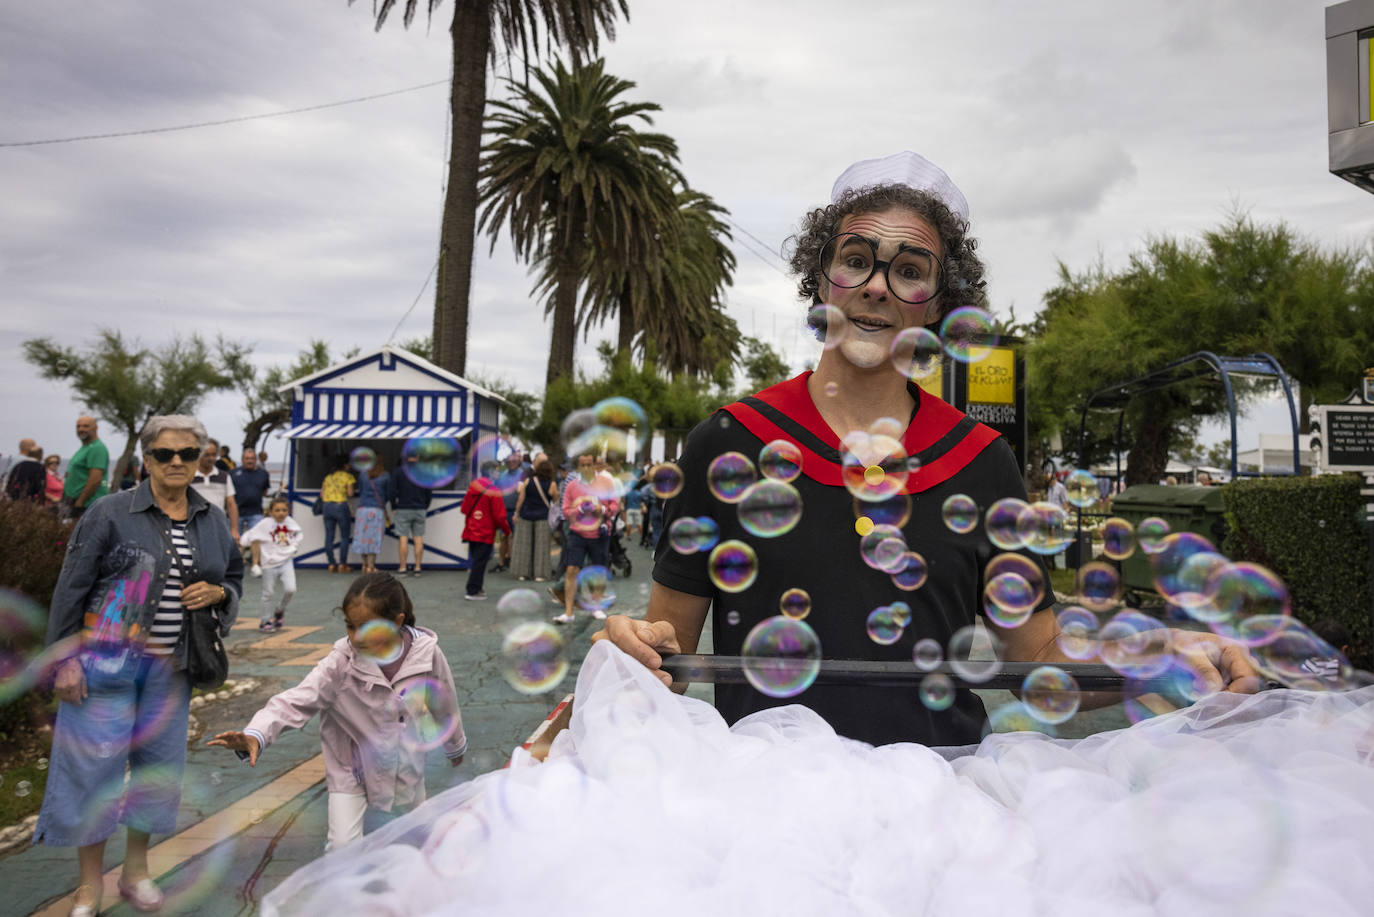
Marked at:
<point>385,697</point>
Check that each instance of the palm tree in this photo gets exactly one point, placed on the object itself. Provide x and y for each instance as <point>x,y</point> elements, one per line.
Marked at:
<point>687,326</point>
<point>482,29</point>
<point>574,179</point>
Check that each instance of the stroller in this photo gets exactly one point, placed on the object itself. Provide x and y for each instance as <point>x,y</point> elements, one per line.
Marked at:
<point>620,560</point>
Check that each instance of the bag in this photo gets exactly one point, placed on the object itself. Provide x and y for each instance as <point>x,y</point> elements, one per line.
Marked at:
<point>317,508</point>
<point>556,514</point>
<point>207,664</point>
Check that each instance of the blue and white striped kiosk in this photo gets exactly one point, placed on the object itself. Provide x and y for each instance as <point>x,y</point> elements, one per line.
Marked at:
<point>380,400</point>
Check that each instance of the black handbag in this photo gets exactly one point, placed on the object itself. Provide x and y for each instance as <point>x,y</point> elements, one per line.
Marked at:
<point>317,508</point>
<point>207,663</point>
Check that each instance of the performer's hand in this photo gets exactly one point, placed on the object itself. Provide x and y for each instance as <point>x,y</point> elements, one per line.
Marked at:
<point>1219,664</point>
<point>642,641</point>
<point>70,685</point>
<point>238,742</point>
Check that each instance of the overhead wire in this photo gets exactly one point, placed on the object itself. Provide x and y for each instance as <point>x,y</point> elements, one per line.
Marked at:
<point>199,124</point>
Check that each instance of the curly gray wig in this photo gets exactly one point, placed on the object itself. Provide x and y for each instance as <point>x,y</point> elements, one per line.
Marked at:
<point>963,271</point>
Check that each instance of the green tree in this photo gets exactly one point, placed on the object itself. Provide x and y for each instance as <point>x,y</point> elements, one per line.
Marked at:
<point>481,32</point>
<point>763,366</point>
<point>267,408</point>
<point>1242,288</point>
<point>566,167</point>
<point>126,384</point>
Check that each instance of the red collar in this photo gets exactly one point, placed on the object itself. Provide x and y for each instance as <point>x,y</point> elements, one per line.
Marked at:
<point>942,437</point>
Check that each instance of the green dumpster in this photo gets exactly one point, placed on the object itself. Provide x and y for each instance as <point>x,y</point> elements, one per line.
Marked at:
<point>1186,508</point>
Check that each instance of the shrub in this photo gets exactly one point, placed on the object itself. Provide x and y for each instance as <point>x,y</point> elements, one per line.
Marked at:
<point>33,543</point>
<point>1311,532</point>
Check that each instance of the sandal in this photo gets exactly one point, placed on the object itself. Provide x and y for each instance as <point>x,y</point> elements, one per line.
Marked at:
<point>144,895</point>
<point>84,910</point>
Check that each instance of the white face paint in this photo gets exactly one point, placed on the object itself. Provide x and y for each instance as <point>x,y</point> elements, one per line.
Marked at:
<point>865,351</point>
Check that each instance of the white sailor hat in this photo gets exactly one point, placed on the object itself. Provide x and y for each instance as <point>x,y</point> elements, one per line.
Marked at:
<point>905,168</point>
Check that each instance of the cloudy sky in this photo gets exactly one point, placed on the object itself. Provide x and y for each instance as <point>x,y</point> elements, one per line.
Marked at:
<point>1075,129</point>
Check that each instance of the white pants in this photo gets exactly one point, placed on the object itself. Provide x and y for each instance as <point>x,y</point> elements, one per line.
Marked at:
<point>345,820</point>
<point>286,574</point>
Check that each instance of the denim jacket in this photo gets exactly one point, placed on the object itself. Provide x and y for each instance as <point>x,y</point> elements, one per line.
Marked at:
<point>119,557</point>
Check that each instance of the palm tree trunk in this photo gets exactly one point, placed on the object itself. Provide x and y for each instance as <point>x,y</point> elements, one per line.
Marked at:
<point>573,244</point>
<point>471,37</point>
<point>626,338</point>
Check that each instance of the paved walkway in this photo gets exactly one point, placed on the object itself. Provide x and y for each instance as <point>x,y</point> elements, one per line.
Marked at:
<point>242,830</point>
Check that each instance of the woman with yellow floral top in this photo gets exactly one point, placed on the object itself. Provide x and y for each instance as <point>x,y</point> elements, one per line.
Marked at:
<point>334,493</point>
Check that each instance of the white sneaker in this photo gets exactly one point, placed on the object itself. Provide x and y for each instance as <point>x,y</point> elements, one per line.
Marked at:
<point>257,570</point>
<point>599,614</point>
<point>563,619</point>
<point>475,597</point>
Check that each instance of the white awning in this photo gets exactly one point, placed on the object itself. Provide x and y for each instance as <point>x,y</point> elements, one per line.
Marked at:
<point>354,430</point>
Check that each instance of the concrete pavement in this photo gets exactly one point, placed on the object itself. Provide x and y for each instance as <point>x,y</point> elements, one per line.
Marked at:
<point>241,830</point>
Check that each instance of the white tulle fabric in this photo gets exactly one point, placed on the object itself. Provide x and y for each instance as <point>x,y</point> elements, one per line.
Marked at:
<point>649,804</point>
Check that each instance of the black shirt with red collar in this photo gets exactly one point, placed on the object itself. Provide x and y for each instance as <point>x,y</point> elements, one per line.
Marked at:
<point>821,555</point>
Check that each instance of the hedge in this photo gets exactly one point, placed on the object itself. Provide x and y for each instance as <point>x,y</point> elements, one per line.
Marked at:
<point>32,545</point>
<point>1311,532</point>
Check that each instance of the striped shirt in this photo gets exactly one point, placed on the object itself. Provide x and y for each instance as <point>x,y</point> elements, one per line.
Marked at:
<point>167,623</point>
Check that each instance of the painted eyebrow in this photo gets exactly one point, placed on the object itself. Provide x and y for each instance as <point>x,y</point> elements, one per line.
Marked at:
<point>904,247</point>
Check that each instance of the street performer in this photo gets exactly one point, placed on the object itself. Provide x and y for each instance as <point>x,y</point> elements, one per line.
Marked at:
<point>889,254</point>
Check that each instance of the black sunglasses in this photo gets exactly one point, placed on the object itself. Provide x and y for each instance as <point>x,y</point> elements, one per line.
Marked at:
<point>163,456</point>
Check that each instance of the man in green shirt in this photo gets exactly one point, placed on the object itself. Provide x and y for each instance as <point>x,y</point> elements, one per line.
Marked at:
<point>86,471</point>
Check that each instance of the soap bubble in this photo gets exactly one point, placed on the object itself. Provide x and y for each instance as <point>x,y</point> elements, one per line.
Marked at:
<point>574,429</point>
<point>1099,585</point>
<point>729,475</point>
<point>1044,528</point>
<point>1078,629</point>
<point>732,617</point>
<point>1118,538</point>
<point>1136,645</point>
<point>707,532</point>
<point>682,535</point>
<point>769,508</point>
<point>1195,595</point>
<point>23,625</point>
<point>519,605</point>
<point>831,325</point>
<point>1168,562</point>
<point>1252,597</point>
<point>782,656</point>
<point>911,572</point>
<point>534,657</point>
<point>973,655</point>
<point>890,427</point>
<point>1171,688</point>
<point>883,628</point>
<point>431,462</point>
<point>937,691</point>
<point>624,414</point>
<point>585,515</point>
<point>362,458</point>
<point>431,713</point>
<point>874,467</point>
<point>41,764</point>
<point>895,510</point>
<point>1298,658</point>
<point>733,566</point>
<point>780,460</point>
<point>795,603</point>
<point>916,353</point>
<point>1150,533</point>
<point>960,513</point>
<point>595,588</point>
<point>665,480</point>
<point>967,334</point>
<point>901,613</point>
<point>1005,600</point>
<point>23,788</point>
<point>1002,523</point>
<point>831,389</point>
<point>379,640</point>
<point>882,548</point>
<point>1050,694</point>
<point>927,654</point>
<point>1022,566</point>
<point>1082,488</point>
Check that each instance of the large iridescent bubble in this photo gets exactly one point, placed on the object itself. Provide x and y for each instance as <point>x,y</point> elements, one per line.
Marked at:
<point>1082,488</point>
<point>967,334</point>
<point>1044,528</point>
<point>769,508</point>
<point>883,627</point>
<point>780,460</point>
<point>916,352</point>
<point>362,458</point>
<point>1099,585</point>
<point>782,656</point>
<point>911,572</point>
<point>432,712</point>
<point>960,513</point>
<point>1050,694</point>
<point>431,462</point>
<point>1136,645</point>
<point>1118,538</point>
<point>973,654</point>
<point>534,657</point>
<point>665,480</point>
<point>882,548</point>
<point>1078,633</point>
<point>733,566</point>
<point>874,466</point>
<point>1002,523</point>
<point>595,588</point>
<point>795,603</point>
<point>729,476</point>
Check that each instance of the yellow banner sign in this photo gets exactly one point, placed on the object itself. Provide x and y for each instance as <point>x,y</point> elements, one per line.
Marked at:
<point>993,380</point>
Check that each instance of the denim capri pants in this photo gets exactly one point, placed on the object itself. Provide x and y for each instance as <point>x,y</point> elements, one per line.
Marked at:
<point>134,713</point>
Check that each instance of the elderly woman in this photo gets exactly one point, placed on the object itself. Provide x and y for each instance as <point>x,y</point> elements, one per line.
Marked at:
<point>138,563</point>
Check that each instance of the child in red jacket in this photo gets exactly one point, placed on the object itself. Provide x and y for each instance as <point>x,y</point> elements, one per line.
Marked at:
<point>484,510</point>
